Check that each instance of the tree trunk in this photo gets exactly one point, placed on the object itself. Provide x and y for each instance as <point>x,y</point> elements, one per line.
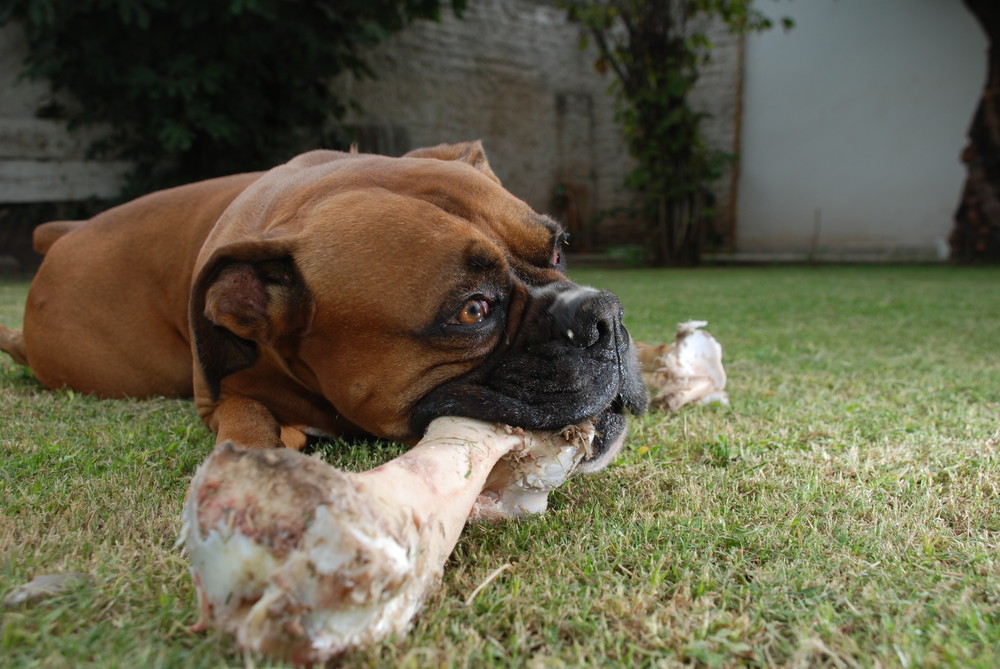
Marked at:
<point>976,235</point>
<point>663,238</point>
<point>677,232</point>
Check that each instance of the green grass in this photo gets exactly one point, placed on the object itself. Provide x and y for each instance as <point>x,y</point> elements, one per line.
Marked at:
<point>845,511</point>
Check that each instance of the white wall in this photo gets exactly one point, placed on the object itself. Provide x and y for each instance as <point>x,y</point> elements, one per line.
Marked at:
<point>858,113</point>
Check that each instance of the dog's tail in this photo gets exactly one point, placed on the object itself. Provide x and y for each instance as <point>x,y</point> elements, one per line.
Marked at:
<point>12,343</point>
<point>46,234</point>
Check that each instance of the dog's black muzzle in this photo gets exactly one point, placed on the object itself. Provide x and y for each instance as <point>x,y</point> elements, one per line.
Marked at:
<point>571,360</point>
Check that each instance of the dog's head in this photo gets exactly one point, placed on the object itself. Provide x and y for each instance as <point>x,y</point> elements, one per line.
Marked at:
<point>402,289</point>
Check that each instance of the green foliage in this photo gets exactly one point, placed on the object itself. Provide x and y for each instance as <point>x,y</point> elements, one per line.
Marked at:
<point>189,89</point>
<point>655,49</point>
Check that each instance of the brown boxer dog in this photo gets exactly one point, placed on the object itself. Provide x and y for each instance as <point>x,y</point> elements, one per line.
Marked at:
<point>335,294</point>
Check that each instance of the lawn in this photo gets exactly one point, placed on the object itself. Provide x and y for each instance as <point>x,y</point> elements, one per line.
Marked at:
<point>845,511</point>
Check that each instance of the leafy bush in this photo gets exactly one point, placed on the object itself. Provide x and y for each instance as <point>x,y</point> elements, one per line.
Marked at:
<point>655,49</point>
<point>190,89</point>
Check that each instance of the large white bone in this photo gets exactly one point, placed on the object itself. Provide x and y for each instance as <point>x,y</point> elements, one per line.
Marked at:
<point>302,561</point>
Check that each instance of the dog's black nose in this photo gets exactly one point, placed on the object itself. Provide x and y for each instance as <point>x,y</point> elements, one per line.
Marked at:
<point>586,317</point>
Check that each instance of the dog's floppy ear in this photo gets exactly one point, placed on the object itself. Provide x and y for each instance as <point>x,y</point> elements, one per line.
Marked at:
<point>466,152</point>
<point>247,295</point>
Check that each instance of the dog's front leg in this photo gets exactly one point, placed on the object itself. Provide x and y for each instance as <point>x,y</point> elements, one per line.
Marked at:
<point>249,423</point>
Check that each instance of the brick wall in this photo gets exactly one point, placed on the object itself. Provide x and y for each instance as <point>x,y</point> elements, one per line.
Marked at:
<point>510,72</point>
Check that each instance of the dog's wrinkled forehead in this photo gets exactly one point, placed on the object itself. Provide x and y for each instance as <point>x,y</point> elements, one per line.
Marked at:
<point>464,193</point>
<point>531,246</point>
<point>455,189</point>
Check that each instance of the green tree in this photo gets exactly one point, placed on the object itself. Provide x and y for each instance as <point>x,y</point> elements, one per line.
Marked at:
<point>655,48</point>
<point>190,89</point>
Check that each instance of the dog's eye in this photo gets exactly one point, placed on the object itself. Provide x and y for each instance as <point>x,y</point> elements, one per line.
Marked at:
<point>474,311</point>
